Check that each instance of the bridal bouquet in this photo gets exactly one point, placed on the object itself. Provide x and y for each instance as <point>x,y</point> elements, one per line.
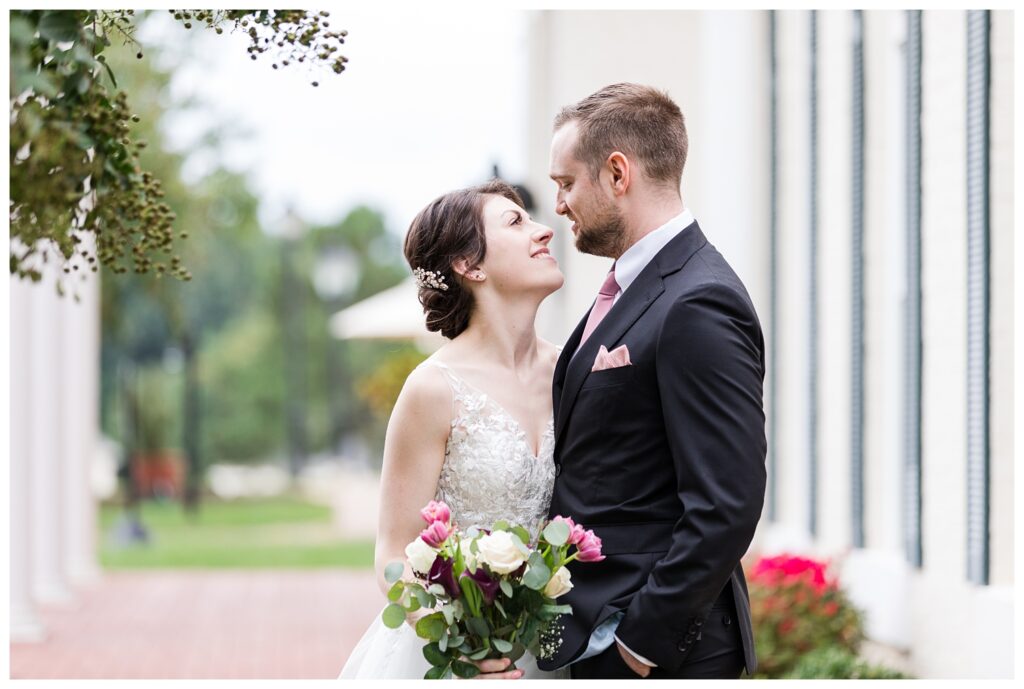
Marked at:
<point>493,592</point>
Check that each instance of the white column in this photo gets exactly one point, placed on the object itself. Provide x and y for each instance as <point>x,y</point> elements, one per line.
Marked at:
<point>45,422</point>
<point>80,404</point>
<point>24,622</point>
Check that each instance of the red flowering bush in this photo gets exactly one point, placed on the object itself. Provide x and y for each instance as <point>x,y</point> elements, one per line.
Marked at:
<point>797,607</point>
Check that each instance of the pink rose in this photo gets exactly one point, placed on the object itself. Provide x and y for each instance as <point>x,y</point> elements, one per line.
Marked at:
<point>436,534</point>
<point>590,547</point>
<point>436,511</point>
<point>576,532</point>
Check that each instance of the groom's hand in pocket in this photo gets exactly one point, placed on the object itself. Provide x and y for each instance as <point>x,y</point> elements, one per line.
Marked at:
<point>634,664</point>
<point>495,669</point>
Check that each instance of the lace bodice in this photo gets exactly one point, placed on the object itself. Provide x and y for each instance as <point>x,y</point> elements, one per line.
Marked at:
<point>489,470</point>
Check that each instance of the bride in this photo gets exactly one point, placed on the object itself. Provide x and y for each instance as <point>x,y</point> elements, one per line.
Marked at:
<point>473,424</point>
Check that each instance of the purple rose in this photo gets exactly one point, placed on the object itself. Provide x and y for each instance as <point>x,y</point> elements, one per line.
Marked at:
<point>488,585</point>
<point>441,573</point>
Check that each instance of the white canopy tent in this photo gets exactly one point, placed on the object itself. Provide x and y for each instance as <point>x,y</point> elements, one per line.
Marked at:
<point>394,314</point>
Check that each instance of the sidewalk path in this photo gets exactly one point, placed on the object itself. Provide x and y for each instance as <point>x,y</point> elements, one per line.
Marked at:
<point>205,624</point>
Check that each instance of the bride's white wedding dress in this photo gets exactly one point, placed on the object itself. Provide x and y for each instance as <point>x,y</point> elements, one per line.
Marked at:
<point>489,473</point>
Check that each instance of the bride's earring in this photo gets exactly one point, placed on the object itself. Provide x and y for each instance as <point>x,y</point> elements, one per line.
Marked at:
<point>478,276</point>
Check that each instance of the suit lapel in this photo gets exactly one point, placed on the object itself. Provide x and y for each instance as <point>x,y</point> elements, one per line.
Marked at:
<point>571,371</point>
<point>562,365</point>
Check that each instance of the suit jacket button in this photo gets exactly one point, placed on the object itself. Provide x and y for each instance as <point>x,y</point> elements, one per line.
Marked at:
<point>558,470</point>
<point>682,647</point>
<point>726,620</point>
<point>699,623</point>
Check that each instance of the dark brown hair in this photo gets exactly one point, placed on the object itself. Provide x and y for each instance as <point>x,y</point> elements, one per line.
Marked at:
<point>640,121</point>
<point>449,228</point>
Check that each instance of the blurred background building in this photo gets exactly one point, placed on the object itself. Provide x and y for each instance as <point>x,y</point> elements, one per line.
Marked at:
<point>854,167</point>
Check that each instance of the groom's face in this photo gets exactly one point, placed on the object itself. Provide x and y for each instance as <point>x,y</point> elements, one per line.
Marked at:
<point>597,224</point>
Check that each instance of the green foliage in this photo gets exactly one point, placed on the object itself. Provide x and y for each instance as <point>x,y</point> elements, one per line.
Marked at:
<point>75,168</point>
<point>834,662</point>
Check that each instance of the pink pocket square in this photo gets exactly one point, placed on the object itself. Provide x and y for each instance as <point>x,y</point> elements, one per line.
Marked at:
<point>613,359</point>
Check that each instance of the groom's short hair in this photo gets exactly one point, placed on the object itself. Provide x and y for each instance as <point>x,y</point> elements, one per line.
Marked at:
<point>637,120</point>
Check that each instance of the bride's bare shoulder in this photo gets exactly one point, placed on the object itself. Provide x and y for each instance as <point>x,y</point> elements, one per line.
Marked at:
<point>425,391</point>
<point>549,350</point>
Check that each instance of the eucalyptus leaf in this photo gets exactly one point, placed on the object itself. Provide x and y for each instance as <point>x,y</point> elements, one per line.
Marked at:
<point>479,626</point>
<point>396,591</point>
<point>505,587</point>
<point>393,616</point>
<point>442,645</point>
<point>464,670</point>
<point>537,576</point>
<point>393,572</point>
<point>501,645</point>
<point>478,655</point>
<point>556,533</point>
<point>500,525</point>
<point>437,672</point>
<point>434,655</point>
<point>430,627</point>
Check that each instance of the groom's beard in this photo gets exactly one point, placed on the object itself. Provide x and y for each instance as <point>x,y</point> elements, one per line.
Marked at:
<point>604,235</point>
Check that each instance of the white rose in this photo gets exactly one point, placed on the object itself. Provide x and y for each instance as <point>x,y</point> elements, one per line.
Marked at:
<point>499,552</point>
<point>421,556</point>
<point>561,582</point>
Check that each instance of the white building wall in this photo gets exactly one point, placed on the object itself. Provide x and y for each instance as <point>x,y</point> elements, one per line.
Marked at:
<point>715,64</point>
<point>835,67</point>
<point>1002,248</point>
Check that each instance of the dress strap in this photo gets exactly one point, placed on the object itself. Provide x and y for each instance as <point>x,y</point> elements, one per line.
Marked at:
<point>457,385</point>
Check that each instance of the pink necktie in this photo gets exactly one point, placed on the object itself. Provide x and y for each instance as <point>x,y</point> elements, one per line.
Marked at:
<point>605,299</point>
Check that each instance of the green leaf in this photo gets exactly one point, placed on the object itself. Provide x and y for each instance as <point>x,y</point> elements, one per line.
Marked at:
<point>437,672</point>
<point>396,591</point>
<point>501,645</point>
<point>443,643</point>
<point>393,616</point>
<point>393,572</point>
<point>556,533</point>
<point>478,655</point>
<point>59,26</point>
<point>517,652</point>
<point>464,670</point>
<point>434,655</point>
<point>505,587</point>
<point>500,525</point>
<point>424,598</point>
<point>522,533</point>
<point>537,576</point>
<point>498,605</point>
<point>430,627</point>
<point>479,626</point>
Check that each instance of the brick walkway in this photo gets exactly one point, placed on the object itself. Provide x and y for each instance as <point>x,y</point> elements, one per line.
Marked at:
<point>209,624</point>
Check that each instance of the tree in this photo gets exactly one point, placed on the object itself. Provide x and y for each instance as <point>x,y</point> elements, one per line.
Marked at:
<point>74,161</point>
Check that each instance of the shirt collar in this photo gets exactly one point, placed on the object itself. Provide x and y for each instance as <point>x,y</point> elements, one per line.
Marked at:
<point>636,257</point>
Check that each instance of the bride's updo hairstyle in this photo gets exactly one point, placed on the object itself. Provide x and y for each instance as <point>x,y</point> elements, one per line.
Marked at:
<point>449,228</point>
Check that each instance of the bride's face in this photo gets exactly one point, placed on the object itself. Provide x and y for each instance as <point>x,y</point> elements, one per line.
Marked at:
<point>517,250</point>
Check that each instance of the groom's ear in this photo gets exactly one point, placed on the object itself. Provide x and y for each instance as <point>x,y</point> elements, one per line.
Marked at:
<point>619,172</point>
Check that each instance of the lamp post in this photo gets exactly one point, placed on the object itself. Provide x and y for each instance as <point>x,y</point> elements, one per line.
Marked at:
<point>335,278</point>
<point>294,345</point>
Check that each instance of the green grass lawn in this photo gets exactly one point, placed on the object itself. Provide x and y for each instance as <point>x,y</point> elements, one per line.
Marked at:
<point>272,532</point>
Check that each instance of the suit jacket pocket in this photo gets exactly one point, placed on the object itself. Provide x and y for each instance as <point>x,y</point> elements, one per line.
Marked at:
<point>609,377</point>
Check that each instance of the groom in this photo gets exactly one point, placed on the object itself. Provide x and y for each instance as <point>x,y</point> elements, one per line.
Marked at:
<point>659,421</point>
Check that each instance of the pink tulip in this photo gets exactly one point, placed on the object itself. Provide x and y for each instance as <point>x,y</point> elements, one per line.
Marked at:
<point>590,547</point>
<point>436,511</point>
<point>576,532</point>
<point>436,534</point>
